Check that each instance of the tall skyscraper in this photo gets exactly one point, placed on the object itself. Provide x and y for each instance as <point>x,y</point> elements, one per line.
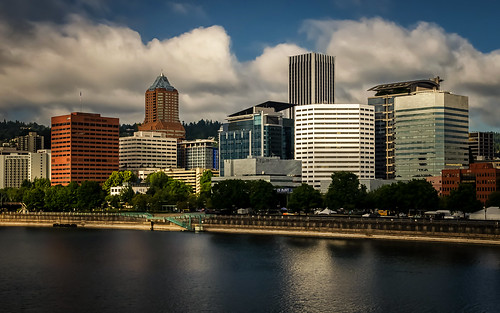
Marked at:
<point>383,101</point>
<point>84,147</point>
<point>162,109</point>
<point>311,78</point>
<point>334,138</point>
<point>431,133</point>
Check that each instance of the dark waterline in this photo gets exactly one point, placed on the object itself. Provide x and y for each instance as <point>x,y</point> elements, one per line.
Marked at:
<point>85,270</point>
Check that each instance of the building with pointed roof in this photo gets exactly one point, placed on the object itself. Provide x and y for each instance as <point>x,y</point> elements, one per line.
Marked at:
<point>162,109</point>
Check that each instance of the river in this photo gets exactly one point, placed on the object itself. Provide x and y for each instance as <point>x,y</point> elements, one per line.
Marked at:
<point>92,270</point>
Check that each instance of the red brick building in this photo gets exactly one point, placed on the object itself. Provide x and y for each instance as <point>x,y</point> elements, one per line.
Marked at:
<point>484,176</point>
<point>84,147</point>
<point>162,109</point>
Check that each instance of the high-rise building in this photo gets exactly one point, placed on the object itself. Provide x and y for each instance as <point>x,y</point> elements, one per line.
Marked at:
<point>199,153</point>
<point>162,109</point>
<point>383,101</point>
<point>15,167</point>
<point>84,147</point>
<point>261,130</point>
<point>334,138</point>
<point>311,78</point>
<point>147,150</point>
<point>431,133</point>
<point>482,145</point>
<point>31,142</point>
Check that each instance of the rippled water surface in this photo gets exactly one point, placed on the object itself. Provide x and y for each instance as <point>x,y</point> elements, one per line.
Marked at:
<point>83,270</point>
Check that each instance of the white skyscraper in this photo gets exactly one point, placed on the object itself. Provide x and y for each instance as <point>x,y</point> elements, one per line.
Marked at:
<point>332,138</point>
<point>311,78</point>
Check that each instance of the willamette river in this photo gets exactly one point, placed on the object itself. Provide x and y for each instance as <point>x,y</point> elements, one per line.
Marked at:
<point>85,270</point>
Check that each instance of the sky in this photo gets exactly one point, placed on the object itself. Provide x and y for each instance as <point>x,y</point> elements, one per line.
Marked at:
<point>223,56</point>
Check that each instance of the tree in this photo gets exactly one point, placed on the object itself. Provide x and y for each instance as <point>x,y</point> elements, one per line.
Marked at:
<point>117,179</point>
<point>345,192</point>
<point>126,194</point>
<point>141,202</point>
<point>263,196</point>
<point>230,194</point>
<point>419,195</point>
<point>34,199</point>
<point>305,198</point>
<point>90,195</point>
<point>464,199</point>
<point>493,199</point>
<point>157,181</point>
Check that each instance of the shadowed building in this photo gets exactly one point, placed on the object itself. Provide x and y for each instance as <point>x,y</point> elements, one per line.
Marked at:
<point>383,101</point>
<point>482,145</point>
<point>261,130</point>
<point>311,78</point>
<point>162,109</point>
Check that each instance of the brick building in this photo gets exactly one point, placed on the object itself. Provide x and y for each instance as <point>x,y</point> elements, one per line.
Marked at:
<point>84,147</point>
<point>162,109</point>
<point>484,176</point>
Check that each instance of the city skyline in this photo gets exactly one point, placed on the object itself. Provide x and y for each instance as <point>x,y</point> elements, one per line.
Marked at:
<point>222,63</point>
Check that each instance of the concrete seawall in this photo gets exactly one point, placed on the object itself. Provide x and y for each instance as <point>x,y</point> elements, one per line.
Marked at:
<point>85,220</point>
<point>486,232</point>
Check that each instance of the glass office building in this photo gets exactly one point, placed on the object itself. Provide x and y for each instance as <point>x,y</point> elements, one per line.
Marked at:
<point>261,130</point>
<point>431,133</point>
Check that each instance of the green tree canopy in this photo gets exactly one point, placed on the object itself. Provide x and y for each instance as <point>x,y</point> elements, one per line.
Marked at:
<point>90,195</point>
<point>464,199</point>
<point>305,198</point>
<point>230,194</point>
<point>262,195</point>
<point>345,192</point>
<point>117,178</point>
<point>493,199</point>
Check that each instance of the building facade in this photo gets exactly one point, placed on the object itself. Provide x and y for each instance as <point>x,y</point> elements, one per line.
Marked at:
<point>84,147</point>
<point>431,134</point>
<point>280,173</point>
<point>200,153</point>
<point>31,142</point>
<point>162,109</point>
<point>261,130</point>
<point>191,177</point>
<point>15,167</point>
<point>484,176</point>
<point>147,150</point>
<point>332,138</point>
<point>383,101</point>
<point>311,78</point>
<point>482,145</point>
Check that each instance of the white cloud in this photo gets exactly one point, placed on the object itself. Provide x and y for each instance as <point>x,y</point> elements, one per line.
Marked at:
<point>41,75</point>
<point>374,51</point>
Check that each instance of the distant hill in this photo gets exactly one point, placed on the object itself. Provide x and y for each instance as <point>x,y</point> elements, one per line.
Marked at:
<point>10,129</point>
<point>201,129</point>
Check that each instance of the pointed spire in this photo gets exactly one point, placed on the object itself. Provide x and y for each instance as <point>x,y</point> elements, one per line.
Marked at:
<point>161,82</point>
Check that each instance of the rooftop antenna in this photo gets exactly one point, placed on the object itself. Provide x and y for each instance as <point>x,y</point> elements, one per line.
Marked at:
<point>81,105</point>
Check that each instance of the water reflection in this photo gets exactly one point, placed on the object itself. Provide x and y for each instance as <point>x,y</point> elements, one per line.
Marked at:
<point>81,270</point>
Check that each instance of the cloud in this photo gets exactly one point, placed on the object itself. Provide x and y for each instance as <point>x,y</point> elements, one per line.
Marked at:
<point>41,74</point>
<point>187,9</point>
<point>375,51</point>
